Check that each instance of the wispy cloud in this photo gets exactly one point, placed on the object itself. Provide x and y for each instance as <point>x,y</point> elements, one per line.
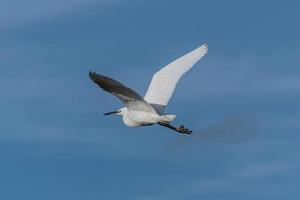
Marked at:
<point>14,13</point>
<point>240,178</point>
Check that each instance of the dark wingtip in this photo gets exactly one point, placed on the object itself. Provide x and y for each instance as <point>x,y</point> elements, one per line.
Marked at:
<point>93,75</point>
<point>90,73</point>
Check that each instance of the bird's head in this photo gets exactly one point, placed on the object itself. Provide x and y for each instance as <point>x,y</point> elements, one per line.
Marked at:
<point>117,112</point>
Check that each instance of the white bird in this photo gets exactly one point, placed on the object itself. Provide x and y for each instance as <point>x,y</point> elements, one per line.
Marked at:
<point>139,111</point>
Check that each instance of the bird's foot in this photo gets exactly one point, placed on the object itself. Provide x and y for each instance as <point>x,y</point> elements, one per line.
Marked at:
<point>182,129</point>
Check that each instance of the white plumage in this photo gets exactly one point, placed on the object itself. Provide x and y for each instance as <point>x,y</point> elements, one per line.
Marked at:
<point>139,111</point>
<point>165,80</point>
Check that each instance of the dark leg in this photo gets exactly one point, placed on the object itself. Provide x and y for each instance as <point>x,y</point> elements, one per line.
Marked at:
<point>180,129</point>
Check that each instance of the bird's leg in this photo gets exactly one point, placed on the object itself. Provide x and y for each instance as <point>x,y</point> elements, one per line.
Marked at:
<point>180,129</point>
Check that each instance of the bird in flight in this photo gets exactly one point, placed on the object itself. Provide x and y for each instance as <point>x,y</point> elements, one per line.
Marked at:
<point>149,110</point>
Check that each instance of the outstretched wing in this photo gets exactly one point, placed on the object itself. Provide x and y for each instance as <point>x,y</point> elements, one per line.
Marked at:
<point>129,97</point>
<point>165,80</point>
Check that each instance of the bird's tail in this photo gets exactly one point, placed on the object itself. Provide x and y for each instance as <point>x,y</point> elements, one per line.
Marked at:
<point>167,118</point>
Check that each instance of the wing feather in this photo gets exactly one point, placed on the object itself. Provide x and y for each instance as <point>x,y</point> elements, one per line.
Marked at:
<point>129,97</point>
<point>165,80</point>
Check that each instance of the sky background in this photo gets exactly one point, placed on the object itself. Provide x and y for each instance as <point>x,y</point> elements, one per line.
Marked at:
<point>241,99</point>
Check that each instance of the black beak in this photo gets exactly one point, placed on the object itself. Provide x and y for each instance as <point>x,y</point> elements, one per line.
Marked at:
<point>110,113</point>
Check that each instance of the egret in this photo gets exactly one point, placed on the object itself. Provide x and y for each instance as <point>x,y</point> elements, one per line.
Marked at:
<point>149,110</point>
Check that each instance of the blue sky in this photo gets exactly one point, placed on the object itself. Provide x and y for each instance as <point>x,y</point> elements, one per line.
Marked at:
<point>242,100</point>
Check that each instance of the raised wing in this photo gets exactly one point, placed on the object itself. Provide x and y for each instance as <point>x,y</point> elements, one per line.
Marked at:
<point>129,97</point>
<point>165,80</point>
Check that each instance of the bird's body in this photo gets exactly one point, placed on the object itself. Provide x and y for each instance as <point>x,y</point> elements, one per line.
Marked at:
<point>139,118</point>
<point>139,111</point>
<point>134,118</point>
